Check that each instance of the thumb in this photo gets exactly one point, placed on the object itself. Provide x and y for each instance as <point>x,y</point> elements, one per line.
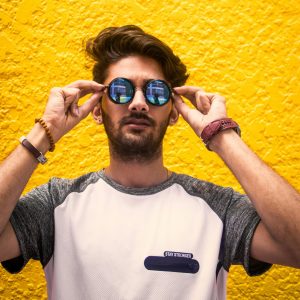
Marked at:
<point>183,108</point>
<point>191,115</point>
<point>88,106</point>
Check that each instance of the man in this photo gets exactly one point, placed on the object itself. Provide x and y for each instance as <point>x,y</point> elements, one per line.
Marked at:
<point>135,229</point>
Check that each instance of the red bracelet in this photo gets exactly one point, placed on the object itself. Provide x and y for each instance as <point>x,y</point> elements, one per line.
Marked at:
<point>217,126</point>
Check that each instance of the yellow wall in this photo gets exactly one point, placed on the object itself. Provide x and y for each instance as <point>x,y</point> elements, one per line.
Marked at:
<point>245,50</point>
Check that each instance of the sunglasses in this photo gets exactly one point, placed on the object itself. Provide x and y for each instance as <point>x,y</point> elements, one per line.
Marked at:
<point>121,91</point>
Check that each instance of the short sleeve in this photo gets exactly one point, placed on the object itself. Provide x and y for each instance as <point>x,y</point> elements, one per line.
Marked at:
<point>33,223</point>
<point>239,219</point>
<point>240,223</point>
<point>33,219</point>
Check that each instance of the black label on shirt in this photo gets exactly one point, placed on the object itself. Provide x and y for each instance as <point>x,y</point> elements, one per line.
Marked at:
<point>172,262</point>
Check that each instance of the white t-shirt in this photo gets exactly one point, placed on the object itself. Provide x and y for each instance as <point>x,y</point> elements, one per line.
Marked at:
<point>97,239</point>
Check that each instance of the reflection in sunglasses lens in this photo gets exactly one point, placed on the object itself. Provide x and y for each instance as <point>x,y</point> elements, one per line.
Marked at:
<point>120,90</point>
<point>157,92</point>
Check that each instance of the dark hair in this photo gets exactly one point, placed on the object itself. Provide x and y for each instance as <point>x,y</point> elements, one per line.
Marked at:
<point>115,43</point>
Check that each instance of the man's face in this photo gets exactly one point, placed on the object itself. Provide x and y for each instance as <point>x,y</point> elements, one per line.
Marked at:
<point>136,129</point>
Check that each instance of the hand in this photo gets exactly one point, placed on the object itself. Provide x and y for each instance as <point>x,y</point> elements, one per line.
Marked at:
<point>208,107</point>
<point>62,112</point>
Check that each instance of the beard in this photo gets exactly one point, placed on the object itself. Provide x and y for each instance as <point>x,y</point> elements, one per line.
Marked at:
<point>137,145</point>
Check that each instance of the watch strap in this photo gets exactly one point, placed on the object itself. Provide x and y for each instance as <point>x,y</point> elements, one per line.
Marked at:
<point>35,152</point>
<point>217,126</point>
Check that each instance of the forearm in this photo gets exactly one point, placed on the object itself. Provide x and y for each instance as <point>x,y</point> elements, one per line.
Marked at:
<point>15,172</point>
<point>276,201</point>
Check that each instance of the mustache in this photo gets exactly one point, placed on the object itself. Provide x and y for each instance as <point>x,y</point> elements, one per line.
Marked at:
<point>138,116</point>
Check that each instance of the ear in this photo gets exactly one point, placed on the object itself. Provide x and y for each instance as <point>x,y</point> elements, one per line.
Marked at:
<point>174,115</point>
<point>97,113</point>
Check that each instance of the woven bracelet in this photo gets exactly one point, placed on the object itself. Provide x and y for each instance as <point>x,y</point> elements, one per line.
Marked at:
<point>48,133</point>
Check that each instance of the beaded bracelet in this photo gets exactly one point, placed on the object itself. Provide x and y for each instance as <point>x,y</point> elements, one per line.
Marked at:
<point>48,133</point>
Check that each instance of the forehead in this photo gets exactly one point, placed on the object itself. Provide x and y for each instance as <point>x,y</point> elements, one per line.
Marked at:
<point>136,68</point>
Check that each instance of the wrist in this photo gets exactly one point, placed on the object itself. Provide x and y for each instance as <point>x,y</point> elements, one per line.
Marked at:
<point>223,141</point>
<point>54,128</point>
<point>48,133</point>
<point>38,138</point>
<point>214,128</point>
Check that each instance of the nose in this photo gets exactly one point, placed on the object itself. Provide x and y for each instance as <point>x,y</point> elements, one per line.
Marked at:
<point>138,102</point>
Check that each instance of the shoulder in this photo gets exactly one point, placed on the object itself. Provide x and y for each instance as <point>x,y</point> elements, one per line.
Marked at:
<point>221,199</point>
<point>202,188</point>
<point>57,189</point>
<point>63,186</point>
<point>78,183</point>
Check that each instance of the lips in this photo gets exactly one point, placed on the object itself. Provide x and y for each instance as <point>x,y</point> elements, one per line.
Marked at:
<point>140,122</point>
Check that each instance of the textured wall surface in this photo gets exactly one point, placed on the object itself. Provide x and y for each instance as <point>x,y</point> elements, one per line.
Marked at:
<point>246,50</point>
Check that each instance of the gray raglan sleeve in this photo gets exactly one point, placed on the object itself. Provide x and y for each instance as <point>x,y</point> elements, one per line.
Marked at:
<point>33,219</point>
<point>33,223</point>
<point>240,222</point>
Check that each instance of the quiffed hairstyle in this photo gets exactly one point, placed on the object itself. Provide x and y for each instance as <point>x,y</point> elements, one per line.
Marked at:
<point>115,43</point>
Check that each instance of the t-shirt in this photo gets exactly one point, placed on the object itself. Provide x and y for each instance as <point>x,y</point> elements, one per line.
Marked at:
<point>97,239</point>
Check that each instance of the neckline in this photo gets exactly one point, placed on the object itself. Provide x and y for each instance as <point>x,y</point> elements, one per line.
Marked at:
<point>138,190</point>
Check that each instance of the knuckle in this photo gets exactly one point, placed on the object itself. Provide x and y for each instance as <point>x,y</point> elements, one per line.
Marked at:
<point>222,98</point>
<point>54,90</point>
<point>206,105</point>
<point>199,93</point>
<point>73,90</point>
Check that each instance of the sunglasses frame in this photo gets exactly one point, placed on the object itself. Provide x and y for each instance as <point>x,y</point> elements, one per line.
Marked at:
<point>144,89</point>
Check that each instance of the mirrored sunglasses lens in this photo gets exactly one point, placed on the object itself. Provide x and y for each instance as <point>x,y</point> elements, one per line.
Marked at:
<point>157,92</point>
<point>120,90</point>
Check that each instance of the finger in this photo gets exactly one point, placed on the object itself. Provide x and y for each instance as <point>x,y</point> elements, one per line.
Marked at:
<point>182,108</point>
<point>218,105</point>
<point>74,110</point>
<point>83,84</point>
<point>203,102</point>
<point>86,86</point>
<point>71,96</point>
<point>89,105</point>
<point>198,99</point>
<point>188,92</point>
<point>56,95</point>
<point>179,104</point>
<point>215,97</point>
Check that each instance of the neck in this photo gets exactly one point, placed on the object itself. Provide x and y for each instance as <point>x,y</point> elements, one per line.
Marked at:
<point>137,174</point>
